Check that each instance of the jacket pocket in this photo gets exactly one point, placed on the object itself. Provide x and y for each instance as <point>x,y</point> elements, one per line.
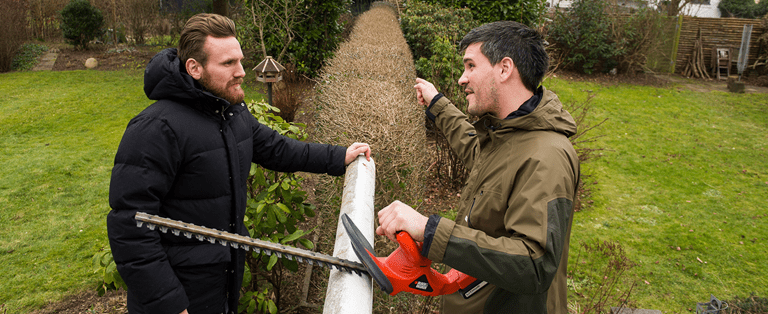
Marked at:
<point>487,212</point>
<point>200,254</point>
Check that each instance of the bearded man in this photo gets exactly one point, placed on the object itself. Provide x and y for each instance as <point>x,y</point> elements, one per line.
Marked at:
<point>187,157</point>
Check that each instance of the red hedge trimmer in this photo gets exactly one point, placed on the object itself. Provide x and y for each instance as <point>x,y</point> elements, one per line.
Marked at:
<point>403,270</point>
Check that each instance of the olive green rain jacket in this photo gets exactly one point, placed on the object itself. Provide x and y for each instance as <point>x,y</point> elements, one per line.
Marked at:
<point>514,221</point>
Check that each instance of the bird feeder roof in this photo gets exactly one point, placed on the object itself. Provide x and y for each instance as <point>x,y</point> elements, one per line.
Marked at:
<point>269,65</point>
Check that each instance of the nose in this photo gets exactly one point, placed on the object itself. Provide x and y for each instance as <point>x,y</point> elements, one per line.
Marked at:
<point>463,80</point>
<point>239,72</point>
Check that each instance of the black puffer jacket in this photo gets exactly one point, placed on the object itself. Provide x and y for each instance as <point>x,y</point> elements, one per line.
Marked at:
<point>187,157</point>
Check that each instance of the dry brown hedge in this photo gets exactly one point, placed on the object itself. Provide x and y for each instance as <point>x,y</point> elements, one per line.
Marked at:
<point>366,94</point>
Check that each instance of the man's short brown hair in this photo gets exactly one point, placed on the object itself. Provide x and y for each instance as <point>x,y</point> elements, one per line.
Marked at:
<point>197,29</point>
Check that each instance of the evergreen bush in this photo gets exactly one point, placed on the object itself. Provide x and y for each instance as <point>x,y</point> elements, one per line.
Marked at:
<point>528,12</point>
<point>595,36</point>
<point>81,22</point>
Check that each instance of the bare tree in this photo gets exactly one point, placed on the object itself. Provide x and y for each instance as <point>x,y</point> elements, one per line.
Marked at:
<point>278,17</point>
<point>677,7</point>
<point>221,7</point>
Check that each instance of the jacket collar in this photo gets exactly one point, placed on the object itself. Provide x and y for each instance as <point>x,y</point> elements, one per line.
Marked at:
<point>546,114</point>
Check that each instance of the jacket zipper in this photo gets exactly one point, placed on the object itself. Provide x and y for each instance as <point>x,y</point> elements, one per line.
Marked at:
<point>469,220</point>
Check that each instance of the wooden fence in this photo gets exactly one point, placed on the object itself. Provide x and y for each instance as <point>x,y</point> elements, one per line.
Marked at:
<point>715,32</point>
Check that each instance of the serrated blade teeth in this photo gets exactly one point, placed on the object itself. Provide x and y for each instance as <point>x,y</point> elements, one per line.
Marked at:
<point>223,242</point>
<point>268,252</point>
<point>256,250</point>
<point>279,255</point>
<point>299,259</point>
<point>200,237</point>
<point>289,257</point>
<point>151,226</point>
<point>139,223</point>
<point>211,239</point>
<point>163,229</point>
<point>176,232</point>
<point>234,245</point>
<point>188,234</point>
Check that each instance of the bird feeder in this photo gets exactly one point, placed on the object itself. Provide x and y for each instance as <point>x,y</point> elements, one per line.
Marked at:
<point>269,71</point>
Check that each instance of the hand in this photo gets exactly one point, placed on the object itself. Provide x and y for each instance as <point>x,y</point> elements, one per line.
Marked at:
<point>185,312</point>
<point>355,150</point>
<point>400,217</point>
<point>425,91</point>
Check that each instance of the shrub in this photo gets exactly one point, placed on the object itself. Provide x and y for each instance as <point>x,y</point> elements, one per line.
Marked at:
<point>749,305</point>
<point>582,34</point>
<point>594,36</point>
<point>27,56</point>
<point>275,207</point>
<point>527,12</point>
<point>365,94</point>
<point>290,92</point>
<point>433,33</point>
<point>81,22</point>
<point>746,9</point>
<point>13,23</point>
<point>598,279</point>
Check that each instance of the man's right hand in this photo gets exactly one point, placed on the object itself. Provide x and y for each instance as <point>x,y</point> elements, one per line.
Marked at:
<point>425,91</point>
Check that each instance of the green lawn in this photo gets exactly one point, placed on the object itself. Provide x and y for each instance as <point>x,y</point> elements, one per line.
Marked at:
<point>58,135</point>
<point>680,169</point>
<point>682,185</point>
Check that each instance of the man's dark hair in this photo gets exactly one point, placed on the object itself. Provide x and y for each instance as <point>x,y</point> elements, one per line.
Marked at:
<point>524,45</point>
<point>197,30</point>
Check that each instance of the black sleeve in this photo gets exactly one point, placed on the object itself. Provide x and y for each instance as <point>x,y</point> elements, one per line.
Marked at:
<point>144,170</point>
<point>281,153</point>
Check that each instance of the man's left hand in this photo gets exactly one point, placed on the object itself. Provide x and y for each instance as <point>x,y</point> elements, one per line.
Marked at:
<point>355,150</point>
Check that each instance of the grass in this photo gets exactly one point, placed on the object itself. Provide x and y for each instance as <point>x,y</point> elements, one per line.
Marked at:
<point>681,169</point>
<point>58,135</point>
<point>683,186</point>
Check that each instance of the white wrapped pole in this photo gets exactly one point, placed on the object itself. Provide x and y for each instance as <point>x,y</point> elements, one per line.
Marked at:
<point>349,293</point>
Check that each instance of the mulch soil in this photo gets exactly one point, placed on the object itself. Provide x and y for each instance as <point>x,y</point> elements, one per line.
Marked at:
<point>109,57</point>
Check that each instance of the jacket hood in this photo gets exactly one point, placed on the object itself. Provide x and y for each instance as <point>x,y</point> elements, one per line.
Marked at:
<point>549,115</point>
<point>164,78</point>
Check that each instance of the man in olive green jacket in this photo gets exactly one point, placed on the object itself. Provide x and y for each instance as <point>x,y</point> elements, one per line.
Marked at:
<point>514,221</point>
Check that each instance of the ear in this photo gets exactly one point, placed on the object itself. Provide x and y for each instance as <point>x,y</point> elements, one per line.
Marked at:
<point>508,68</point>
<point>194,68</point>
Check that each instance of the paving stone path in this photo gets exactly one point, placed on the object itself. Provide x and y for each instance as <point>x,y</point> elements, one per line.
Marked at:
<point>47,61</point>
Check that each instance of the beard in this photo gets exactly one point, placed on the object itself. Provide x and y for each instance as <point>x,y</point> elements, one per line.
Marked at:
<point>232,96</point>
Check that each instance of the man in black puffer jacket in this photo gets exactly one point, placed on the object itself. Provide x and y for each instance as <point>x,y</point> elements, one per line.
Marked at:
<point>187,157</point>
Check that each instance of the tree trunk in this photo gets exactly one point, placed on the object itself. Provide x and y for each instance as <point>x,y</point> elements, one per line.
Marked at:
<point>221,7</point>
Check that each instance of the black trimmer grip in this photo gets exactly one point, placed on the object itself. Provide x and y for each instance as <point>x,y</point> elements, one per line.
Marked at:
<point>366,254</point>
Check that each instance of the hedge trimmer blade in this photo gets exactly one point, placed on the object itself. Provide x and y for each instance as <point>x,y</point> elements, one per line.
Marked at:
<point>237,241</point>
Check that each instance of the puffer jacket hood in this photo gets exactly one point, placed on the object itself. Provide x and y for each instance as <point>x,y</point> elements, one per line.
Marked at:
<point>166,78</point>
<point>549,115</point>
